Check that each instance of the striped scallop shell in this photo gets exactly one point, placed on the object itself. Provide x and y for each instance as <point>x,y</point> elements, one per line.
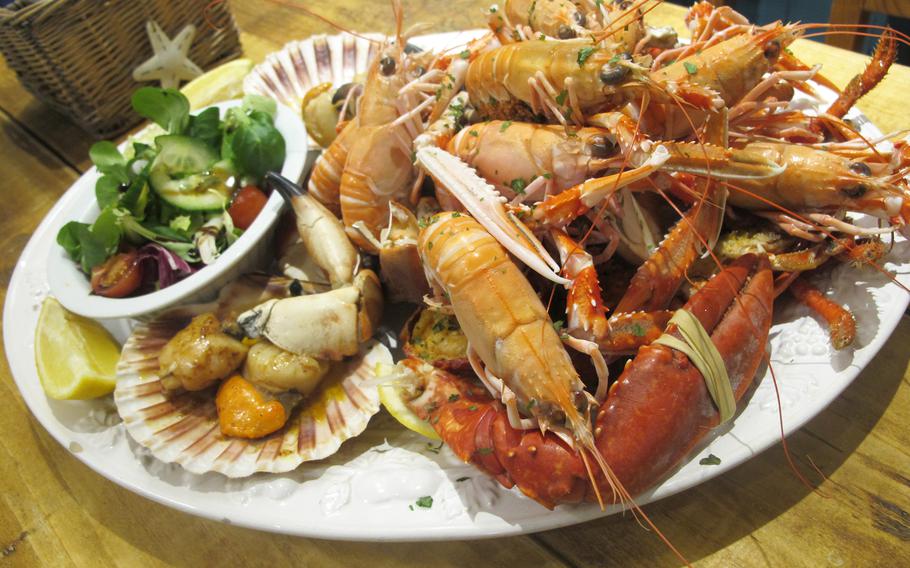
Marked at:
<point>182,427</point>
<point>287,75</point>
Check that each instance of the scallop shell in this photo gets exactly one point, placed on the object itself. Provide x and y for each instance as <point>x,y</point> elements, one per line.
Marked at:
<point>287,75</point>
<point>182,427</point>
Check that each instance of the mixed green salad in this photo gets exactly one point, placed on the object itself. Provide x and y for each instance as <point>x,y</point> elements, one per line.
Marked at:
<point>173,204</point>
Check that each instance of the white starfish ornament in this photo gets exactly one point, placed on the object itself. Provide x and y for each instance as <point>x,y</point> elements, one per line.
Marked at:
<point>169,64</point>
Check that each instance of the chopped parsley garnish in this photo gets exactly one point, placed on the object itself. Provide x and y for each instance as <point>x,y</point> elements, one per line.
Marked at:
<point>558,325</point>
<point>691,68</point>
<point>456,214</point>
<point>638,330</point>
<point>547,175</point>
<point>518,185</point>
<point>457,109</point>
<point>453,397</point>
<point>584,53</point>
<point>465,54</point>
<point>561,97</point>
<point>710,460</point>
<point>426,502</point>
<point>472,407</point>
<point>505,126</point>
<point>473,132</point>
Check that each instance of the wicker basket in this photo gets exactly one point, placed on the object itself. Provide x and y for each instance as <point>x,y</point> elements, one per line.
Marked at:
<point>78,55</point>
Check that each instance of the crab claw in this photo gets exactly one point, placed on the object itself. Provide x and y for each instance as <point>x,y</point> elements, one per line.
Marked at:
<point>288,189</point>
<point>330,325</point>
<point>321,232</point>
<point>401,271</point>
<point>486,205</point>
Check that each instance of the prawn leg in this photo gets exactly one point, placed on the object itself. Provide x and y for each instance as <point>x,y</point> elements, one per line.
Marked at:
<point>586,314</point>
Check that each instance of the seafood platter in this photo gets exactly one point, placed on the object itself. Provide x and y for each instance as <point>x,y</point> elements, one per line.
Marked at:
<point>539,273</point>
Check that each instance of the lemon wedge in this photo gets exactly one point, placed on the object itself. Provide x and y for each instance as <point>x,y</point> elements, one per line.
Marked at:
<point>222,83</point>
<point>393,394</point>
<point>75,356</point>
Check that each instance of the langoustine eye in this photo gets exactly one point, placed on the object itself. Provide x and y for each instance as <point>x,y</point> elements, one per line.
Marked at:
<point>772,51</point>
<point>860,168</point>
<point>602,147</point>
<point>854,191</point>
<point>565,32</point>
<point>387,66</point>
<point>613,72</point>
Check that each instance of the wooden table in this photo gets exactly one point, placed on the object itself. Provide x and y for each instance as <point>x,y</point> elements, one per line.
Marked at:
<point>54,511</point>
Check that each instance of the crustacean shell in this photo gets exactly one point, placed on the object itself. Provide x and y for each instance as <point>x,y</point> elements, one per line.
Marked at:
<point>182,427</point>
<point>287,75</point>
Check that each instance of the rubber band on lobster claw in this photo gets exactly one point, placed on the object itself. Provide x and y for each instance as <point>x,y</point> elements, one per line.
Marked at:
<point>486,205</point>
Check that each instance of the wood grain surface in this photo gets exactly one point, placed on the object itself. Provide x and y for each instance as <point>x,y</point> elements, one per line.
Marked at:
<point>54,511</point>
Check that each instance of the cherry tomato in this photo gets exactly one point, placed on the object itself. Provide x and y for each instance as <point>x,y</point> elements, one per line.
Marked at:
<point>117,276</point>
<point>247,204</point>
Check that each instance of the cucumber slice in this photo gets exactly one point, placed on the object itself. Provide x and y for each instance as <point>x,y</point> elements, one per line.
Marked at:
<point>183,174</point>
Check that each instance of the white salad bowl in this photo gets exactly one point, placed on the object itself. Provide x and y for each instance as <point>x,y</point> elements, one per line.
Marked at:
<point>72,288</point>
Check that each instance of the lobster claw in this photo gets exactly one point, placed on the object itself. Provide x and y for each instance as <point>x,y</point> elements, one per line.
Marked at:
<point>486,205</point>
<point>735,308</point>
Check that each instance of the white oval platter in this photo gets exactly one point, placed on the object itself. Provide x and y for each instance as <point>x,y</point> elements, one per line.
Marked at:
<point>369,489</point>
